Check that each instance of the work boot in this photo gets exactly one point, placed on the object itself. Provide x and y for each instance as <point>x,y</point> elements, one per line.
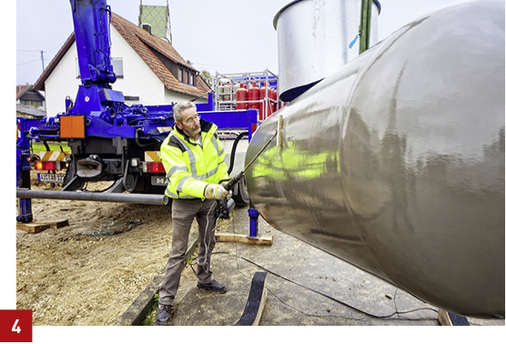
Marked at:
<point>163,315</point>
<point>213,286</point>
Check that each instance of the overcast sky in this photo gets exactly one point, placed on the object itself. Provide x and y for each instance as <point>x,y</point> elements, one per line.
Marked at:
<point>229,36</point>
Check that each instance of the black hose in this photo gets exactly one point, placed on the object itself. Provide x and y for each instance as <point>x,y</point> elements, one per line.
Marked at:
<point>137,141</point>
<point>234,147</point>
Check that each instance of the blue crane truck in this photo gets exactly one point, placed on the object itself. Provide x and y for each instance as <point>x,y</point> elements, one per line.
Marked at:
<point>109,140</point>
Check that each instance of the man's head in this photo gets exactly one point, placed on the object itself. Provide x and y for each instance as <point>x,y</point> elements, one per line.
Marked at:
<point>187,119</point>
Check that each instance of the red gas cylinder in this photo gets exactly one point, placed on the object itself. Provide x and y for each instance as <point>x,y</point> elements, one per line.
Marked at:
<point>242,98</point>
<point>254,97</point>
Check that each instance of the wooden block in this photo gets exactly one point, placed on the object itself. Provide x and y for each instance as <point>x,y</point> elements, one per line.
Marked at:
<point>242,238</point>
<point>56,223</point>
<point>37,227</point>
<point>32,227</point>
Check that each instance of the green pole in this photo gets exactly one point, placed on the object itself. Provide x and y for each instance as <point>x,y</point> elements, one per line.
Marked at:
<point>365,25</point>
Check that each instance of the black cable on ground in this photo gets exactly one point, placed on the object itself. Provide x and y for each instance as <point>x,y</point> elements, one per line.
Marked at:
<point>336,300</point>
<point>320,293</point>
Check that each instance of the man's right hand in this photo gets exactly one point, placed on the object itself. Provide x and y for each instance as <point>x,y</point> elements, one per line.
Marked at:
<point>215,191</point>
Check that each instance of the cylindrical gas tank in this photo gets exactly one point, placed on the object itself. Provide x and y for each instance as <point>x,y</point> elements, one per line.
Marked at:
<point>277,105</point>
<point>235,87</point>
<point>395,163</point>
<point>254,96</point>
<point>242,97</point>
<point>313,41</point>
<point>221,91</point>
<point>227,91</point>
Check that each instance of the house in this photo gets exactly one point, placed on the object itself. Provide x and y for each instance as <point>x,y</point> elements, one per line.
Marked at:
<point>29,102</point>
<point>149,70</point>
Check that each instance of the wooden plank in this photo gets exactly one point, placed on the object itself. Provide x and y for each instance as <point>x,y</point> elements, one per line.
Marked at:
<point>56,223</point>
<point>32,227</point>
<point>446,318</point>
<point>37,227</point>
<point>256,301</point>
<point>263,300</point>
<point>242,238</point>
<point>443,318</point>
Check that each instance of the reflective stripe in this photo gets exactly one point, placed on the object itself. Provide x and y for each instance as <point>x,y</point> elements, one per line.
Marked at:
<point>208,174</point>
<point>215,143</point>
<point>52,156</point>
<point>181,182</point>
<point>176,168</point>
<point>191,157</point>
<point>170,194</point>
<point>193,165</point>
<point>173,195</point>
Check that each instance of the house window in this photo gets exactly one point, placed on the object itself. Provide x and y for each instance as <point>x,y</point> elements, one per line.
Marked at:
<point>33,103</point>
<point>186,76</point>
<point>117,65</point>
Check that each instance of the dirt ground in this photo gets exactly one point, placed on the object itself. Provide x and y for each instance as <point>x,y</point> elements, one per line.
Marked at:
<point>83,274</point>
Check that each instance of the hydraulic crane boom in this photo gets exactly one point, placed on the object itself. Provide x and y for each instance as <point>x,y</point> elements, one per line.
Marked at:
<point>91,27</point>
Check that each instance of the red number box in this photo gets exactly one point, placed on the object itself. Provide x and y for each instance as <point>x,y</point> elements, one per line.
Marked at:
<point>15,325</point>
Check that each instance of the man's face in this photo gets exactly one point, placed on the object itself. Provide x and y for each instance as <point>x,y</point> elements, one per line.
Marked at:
<point>190,123</point>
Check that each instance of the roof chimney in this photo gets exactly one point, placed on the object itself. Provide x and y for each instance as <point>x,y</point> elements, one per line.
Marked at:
<point>146,27</point>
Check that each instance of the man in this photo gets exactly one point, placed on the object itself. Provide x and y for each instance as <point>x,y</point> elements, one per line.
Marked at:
<point>193,157</point>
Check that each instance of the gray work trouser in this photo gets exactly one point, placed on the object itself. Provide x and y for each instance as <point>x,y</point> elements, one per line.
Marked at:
<point>183,213</point>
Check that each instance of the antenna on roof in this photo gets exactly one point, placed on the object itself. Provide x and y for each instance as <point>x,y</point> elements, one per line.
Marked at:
<point>169,29</point>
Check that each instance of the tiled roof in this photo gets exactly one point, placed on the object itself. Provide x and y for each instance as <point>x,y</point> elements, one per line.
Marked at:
<point>29,110</point>
<point>142,42</point>
<point>22,90</point>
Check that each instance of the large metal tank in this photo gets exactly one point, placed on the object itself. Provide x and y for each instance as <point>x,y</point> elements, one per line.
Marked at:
<point>313,41</point>
<point>395,163</point>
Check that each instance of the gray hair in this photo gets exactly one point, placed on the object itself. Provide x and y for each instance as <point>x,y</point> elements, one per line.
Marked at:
<point>180,107</point>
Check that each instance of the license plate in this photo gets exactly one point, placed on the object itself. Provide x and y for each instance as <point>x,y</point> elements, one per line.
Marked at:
<point>51,177</point>
<point>159,181</point>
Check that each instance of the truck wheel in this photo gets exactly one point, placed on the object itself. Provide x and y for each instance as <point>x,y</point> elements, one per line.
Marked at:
<point>240,193</point>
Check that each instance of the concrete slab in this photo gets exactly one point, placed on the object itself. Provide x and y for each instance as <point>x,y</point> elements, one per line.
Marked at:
<point>305,287</point>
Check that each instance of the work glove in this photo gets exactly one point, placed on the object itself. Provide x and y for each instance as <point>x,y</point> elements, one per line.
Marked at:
<point>224,183</point>
<point>215,191</point>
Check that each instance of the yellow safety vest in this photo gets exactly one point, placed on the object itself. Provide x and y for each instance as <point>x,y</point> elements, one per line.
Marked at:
<point>190,166</point>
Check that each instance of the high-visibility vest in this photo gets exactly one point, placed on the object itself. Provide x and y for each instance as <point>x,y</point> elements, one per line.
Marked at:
<point>191,167</point>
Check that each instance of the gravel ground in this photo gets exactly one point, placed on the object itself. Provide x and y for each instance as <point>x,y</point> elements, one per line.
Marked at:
<point>83,274</point>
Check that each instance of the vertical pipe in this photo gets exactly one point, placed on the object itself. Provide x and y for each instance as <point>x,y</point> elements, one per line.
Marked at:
<point>23,171</point>
<point>365,25</point>
<point>253,222</point>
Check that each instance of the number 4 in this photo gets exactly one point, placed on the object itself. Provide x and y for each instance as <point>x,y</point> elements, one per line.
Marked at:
<point>15,327</point>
